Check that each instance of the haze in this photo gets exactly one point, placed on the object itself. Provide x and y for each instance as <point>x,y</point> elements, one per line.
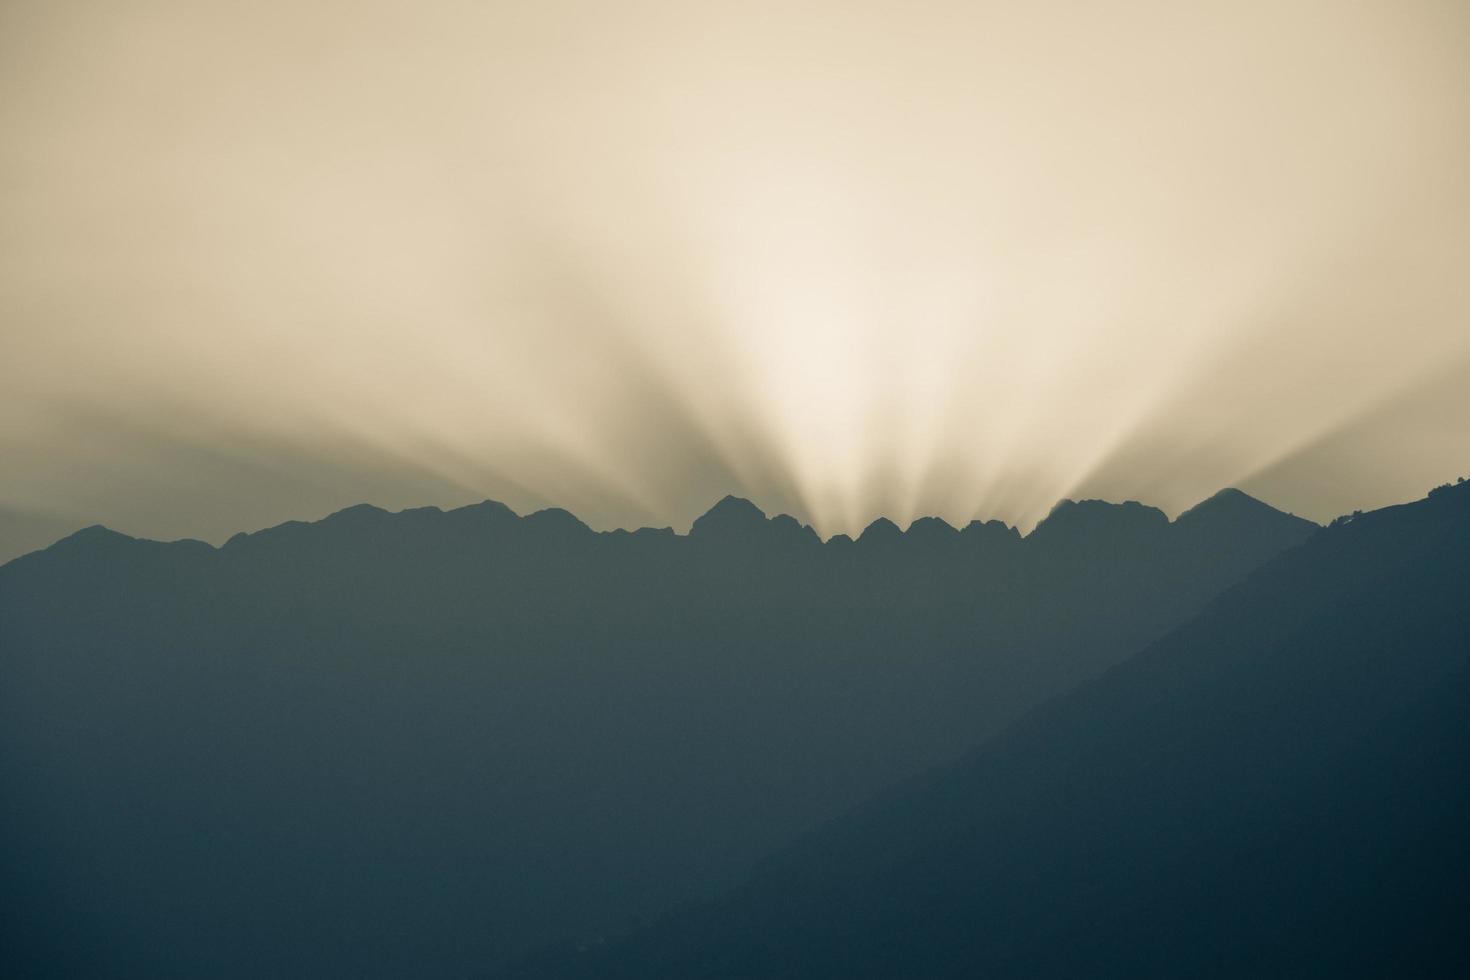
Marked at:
<point>259,261</point>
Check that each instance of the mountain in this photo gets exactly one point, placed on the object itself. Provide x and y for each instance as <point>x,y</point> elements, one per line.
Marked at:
<point>428,742</point>
<point>1276,788</point>
<point>1253,525</point>
<point>22,532</point>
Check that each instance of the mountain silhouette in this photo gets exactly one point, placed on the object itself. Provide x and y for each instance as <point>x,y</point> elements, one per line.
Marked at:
<point>1098,527</point>
<point>932,532</point>
<point>22,532</point>
<point>1276,788</point>
<point>429,742</point>
<point>731,518</point>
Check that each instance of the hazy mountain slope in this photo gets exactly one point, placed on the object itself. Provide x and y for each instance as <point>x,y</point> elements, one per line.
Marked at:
<point>22,532</point>
<point>1277,788</point>
<point>419,743</point>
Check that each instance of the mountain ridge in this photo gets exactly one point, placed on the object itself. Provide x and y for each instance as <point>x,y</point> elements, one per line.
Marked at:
<point>464,734</point>
<point>733,517</point>
<point>1276,787</point>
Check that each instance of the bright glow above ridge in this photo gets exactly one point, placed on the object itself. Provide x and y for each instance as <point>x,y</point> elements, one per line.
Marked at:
<point>848,260</point>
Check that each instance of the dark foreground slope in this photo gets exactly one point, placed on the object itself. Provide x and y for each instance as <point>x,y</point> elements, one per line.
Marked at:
<point>1279,788</point>
<point>417,744</point>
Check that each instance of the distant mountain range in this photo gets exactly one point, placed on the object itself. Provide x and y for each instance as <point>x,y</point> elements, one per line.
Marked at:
<point>430,743</point>
<point>1279,787</point>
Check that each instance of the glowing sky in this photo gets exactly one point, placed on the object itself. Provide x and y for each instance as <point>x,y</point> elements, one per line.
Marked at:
<point>262,260</point>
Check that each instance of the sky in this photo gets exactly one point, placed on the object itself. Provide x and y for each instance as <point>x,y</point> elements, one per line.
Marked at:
<point>260,261</point>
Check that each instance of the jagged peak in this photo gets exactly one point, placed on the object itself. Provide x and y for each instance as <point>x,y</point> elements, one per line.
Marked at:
<point>1232,493</point>
<point>731,504</point>
<point>732,515</point>
<point>1229,497</point>
<point>1093,517</point>
<point>932,530</point>
<point>488,514</point>
<point>992,530</point>
<point>1095,507</point>
<point>1232,503</point>
<point>790,527</point>
<point>557,518</point>
<point>880,531</point>
<point>485,507</point>
<point>992,526</point>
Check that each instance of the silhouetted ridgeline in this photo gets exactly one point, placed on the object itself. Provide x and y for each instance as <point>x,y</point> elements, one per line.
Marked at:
<point>1277,788</point>
<point>427,742</point>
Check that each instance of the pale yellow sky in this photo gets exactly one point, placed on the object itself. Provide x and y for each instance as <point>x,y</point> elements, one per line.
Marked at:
<point>262,260</point>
